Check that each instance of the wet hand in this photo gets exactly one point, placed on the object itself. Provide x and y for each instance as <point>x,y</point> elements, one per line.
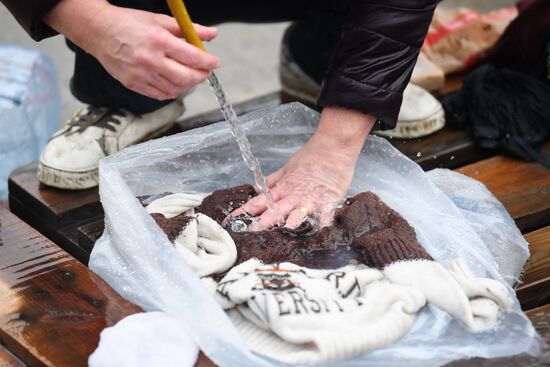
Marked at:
<point>316,178</point>
<point>142,50</point>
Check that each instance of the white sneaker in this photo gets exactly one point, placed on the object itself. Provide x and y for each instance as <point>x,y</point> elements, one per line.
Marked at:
<point>70,159</point>
<point>421,114</point>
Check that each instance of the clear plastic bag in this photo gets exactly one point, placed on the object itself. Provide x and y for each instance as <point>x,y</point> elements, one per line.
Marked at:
<point>135,257</point>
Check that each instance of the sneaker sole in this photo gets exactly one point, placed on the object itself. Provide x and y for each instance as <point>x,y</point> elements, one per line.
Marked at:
<point>403,129</point>
<point>67,180</point>
<point>71,180</point>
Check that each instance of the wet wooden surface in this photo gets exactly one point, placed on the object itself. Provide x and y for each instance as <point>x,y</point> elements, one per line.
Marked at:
<point>9,360</point>
<point>523,188</point>
<point>534,289</point>
<point>446,148</point>
<point>53,212</point>
<point>52,307</point>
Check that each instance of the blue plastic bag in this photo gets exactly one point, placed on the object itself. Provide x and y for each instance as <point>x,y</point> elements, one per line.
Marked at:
<point>29,107</point>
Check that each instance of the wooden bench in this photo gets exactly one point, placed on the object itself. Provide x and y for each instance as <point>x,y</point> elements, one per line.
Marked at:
<point>9,360</point>
<point>53,308</point>
<point>74,220</point>
<point>523,188</point>
<point>534,288</point>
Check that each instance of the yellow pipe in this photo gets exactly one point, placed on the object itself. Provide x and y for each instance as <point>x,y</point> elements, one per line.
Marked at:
<point>179,11</point>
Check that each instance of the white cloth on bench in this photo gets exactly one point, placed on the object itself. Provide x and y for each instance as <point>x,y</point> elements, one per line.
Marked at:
<point>145,340</point>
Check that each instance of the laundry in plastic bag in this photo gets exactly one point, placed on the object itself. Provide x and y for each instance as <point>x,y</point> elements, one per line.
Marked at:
<point>135,257</point>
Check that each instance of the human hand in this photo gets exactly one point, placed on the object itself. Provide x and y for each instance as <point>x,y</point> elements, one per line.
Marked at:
<point>143,50</point>
<point>316,178</point>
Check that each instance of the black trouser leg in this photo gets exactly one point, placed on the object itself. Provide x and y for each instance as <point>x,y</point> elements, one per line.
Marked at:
<point>312,39</point>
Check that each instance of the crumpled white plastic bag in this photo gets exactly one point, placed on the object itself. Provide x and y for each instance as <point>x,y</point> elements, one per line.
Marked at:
<point>136,259</point>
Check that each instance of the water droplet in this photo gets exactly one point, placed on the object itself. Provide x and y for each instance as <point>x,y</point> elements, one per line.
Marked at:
<point>452,157</point>
<point>418,154</point>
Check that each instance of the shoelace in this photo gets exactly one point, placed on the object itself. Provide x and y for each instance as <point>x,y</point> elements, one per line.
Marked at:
<point>106,118</point>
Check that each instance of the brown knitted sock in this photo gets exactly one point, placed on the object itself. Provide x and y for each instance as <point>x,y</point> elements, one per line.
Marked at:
<point>386,246</point>
<point>383,235</point>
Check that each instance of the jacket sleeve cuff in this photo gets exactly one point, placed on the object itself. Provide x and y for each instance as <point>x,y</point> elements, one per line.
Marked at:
<point>29,15</point>
<point>375,57</point>
<point>37,29</point>
<point>346,92</point>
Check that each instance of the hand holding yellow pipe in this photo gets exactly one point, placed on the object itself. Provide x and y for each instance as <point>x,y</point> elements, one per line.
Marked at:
<point>179,11</point>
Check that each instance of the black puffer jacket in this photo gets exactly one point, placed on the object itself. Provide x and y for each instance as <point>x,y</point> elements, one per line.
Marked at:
<point>376,56</point>
<point>371,65</point>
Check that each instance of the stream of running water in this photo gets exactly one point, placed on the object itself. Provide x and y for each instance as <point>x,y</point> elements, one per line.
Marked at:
<point>243,142</point>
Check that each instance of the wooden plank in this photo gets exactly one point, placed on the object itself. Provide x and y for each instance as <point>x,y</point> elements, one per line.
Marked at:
<point>59,207</point>
<point>534,288</point>
<point>52,308</point>
<point>65,237</point>
<point>453,83</point>
<point>89,233</point>
<point>53,212</point>
<point>523,188</point>
<point>9,360</point>
<point>540,317</point>
<point>446,148</point>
